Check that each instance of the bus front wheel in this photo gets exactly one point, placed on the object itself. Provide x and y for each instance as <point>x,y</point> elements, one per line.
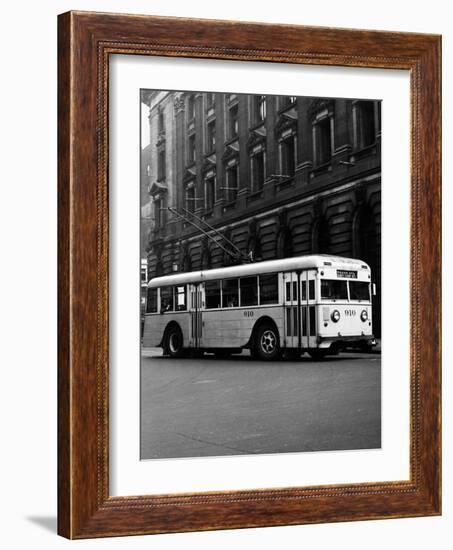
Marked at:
<point>266,344</point>
<point>173,342</point>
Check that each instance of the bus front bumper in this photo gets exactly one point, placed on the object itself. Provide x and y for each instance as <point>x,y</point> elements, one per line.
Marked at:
<point>326,342</point>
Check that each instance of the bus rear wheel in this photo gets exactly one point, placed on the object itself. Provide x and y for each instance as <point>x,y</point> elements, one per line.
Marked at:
<point>173,342</point>
<point>266,343</point>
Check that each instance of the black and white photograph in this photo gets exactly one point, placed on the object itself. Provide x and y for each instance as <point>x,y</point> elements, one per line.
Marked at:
<point>260,274</point>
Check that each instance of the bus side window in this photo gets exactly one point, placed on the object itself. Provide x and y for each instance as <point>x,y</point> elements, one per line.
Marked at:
<point>212,293</point>
<point>249,291</point>
<point>151,300</point>
<point>311,289</point>
<point>181,298</point>
<point>166,299</point>
<point>268,289</point>
<point>304,290</point>
<point>230,297</point>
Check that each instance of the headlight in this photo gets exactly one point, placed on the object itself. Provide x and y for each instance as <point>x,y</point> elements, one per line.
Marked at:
<point>335,315</point>
<point>364,315</point>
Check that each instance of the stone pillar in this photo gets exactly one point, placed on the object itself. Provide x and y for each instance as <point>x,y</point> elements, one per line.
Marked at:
<point>304,142</point>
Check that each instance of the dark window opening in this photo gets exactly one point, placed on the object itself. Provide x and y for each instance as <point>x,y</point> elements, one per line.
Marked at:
<point>332,289</point>
<point>232,181</point>
<point>257,171</point>
<point>151,301</point>
<point>359,290</point>
<point>212,294</point>
<point>366,128</point>
<point>323,141</point>
<point>230,294</point>
<point>161,169</point>
<point>166,299</point>
<point>287,101</point>
<point>268,289</point>
<point>311,289</point>
<point>211,100</point>
<point>160,122</point>
<point>159,217</point>
<point>249,291</point>
<point>191,155</point>
<point>210,193</point>
<point>233,121</point>
<point>259,108</point>
<point>210,145</point>
<point>191,107</point>
<point>288,156</point>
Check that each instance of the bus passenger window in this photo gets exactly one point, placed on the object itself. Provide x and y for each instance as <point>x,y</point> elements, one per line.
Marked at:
<point>311,290</point>
<point>181,298</point>
<point>151,301</point>
<point>304,290</point>
<point>332,289</point>
<point>230,296</point>
<point>212,292</point>
<point>166,299</point>
<point>249,291</point>
<point>268,289</point>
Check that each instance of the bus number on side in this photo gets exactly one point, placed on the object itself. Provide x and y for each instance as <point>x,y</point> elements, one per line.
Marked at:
<point>248,313</point>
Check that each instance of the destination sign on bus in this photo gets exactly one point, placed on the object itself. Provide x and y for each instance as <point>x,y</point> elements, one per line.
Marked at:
<point>346,274</point>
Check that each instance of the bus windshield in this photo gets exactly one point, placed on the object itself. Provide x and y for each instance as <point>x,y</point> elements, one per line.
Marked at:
<point>359,290</point>
<point>333,289</point>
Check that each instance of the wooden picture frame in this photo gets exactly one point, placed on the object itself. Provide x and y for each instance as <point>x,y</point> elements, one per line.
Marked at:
<point>85,41</point>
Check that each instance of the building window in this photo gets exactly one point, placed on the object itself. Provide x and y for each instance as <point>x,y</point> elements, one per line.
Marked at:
<point>161,165</point>
<point>210,193</point>
<point>160,122</point>
<point>365,124</point>
<point>210,141</point>
<point>288,156</point>
<point>191,107</point>
<point>190,199</point>
<point>211,100</point>
<point>159,213</point>
<point>258,109</point>
<point>232,183</point>
<point>323,141</point>
<point>233,121</point>
<point>191,153</point>
<point>257,171</point>
<point>287,101</point>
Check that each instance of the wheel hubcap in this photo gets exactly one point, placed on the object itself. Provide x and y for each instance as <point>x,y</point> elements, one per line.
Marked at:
<point>268,341</point>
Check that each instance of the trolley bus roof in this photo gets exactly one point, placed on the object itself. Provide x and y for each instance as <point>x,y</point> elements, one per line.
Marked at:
<point>247,270</point>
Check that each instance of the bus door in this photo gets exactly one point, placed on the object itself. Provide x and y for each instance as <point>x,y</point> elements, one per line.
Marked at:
<point>308,302</point>
<point>196,306</point>
<point>292,309</point>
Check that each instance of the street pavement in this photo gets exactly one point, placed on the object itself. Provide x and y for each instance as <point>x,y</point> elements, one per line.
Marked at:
<point>239,406</point>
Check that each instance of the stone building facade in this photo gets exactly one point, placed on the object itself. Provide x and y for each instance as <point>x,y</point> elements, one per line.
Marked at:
<point>276,175</point>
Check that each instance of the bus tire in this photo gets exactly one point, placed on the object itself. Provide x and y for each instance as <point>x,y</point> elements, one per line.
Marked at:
<point>317,354</point>
<point>266,345</point>
<point>173,341</point>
